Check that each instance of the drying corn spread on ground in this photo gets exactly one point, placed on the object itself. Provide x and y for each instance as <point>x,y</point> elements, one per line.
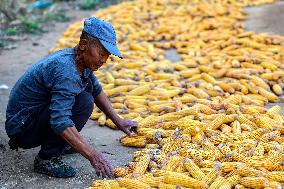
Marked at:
<point>202,121</point>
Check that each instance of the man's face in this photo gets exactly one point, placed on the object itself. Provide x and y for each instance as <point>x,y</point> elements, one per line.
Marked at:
<point>95,56</point>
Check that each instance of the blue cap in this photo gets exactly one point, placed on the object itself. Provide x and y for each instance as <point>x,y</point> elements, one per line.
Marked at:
<point>105,33</point>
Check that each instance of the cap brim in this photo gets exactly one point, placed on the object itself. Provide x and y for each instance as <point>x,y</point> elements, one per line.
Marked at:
<point>112,49</point>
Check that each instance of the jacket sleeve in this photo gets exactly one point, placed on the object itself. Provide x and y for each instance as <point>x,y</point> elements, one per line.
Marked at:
<point>63,92</point>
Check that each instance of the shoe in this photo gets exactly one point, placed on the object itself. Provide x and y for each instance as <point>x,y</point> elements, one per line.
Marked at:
<point>54,167</point>
<point>68,150</point>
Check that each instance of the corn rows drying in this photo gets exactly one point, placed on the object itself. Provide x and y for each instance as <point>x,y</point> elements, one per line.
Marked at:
<point>202,120</point>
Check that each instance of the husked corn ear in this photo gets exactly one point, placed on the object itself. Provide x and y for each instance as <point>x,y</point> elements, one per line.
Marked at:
<point>276,176</point>
<point>217,183</point>
<point>140,90</point>
<point>212,175</point>
<point>277,89</point>
<point>132,184</point>
<point>154,182</point>
<point>193,169</point>
<point>217,122</point>
<point>96,115</point>
<point>109,77</point>
<point>274,110</point>
<point>102,120</point>
<point>142,165</point>
<point>120,171</point>
<point>135,141</point>
<point>167,186</point>
<point>269,95</point>
<point>183,180</point>
<point>110,124</point>
<point>254,182</point>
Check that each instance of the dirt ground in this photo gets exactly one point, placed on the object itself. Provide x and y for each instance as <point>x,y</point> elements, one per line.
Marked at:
<point>16,168</point>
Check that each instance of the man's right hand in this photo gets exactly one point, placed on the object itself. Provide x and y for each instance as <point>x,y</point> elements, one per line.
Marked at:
<point>97,160</point>
<point>102,166</point>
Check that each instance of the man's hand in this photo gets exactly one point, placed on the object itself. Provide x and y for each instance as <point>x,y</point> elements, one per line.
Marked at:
<point>102,166</point>
<point>127,126</point>
<point>124,125</point>
<point>74,139</point>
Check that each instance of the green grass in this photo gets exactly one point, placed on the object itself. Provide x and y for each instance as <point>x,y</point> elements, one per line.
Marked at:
<point>30,25</point>
<point>89,4</point>
<point>53,16</point>
<point>11,31</point>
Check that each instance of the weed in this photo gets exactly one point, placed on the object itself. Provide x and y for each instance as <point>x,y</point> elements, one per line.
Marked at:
<point>53,16</point>
<point>1,44</point>
<point>89,4</point>
<point>11,31</point>
<point>30,26</point>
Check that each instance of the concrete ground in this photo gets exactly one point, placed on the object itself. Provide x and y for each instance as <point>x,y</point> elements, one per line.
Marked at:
<point>16,168</point>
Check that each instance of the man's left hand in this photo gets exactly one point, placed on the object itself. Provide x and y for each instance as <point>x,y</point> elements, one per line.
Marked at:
<point>127,126</point>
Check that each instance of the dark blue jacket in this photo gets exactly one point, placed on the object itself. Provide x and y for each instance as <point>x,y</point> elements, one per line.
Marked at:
<point>54,81</point>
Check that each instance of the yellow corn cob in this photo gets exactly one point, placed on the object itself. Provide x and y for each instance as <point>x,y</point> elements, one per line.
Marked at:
<point>217,122</point>
<point>213,174</point>
<point>132,184</point>
<point>183,180</point>
<point>120,171</point>
<point>199,93</point>
<point>252,88</point>
<point>268,65</point>
<point>110,124</point>
<point>167,186</point>
<point>109,77</point>
<point>189,73</point>
<point>236,127</point>
<point>277,89</point>
<point>274,110</point>
<point>254,182</point>
<point>124,82</point>
<point>102,120</point>
<point>217,183</point>
<point>140,90</point>
<point>96,115</point>
<point>208,78</point>
<point>193,169</point>
<point>269,95</point>
<point>227,87</point>
<point>136,141</point>
<point>142,165</point>
<point>259,82</point>
<point>242,119</point>
<point>154,182</point>
<point>276,176</point>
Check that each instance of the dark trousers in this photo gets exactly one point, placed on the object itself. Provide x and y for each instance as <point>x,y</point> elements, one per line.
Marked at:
<point>39,132</point>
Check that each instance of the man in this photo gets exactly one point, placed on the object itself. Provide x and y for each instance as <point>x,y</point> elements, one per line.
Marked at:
<point>52,101</point>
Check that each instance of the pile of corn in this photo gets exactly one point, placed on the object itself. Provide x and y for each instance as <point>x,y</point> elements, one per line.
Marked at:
<point>202,121</point>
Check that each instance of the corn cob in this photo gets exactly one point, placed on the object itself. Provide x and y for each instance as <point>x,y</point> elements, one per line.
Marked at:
<point>136,141</point>
<point>193,169</point>
<point>132,184</point>
<point>254,182</point>
<point>183,180</point>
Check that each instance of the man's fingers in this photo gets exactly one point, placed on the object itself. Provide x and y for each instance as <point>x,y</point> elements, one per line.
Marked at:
<point>108,171</point>
<point>102,168</point>
<point>126,131</point>
<point>135,124</point>
<point>98,172</point>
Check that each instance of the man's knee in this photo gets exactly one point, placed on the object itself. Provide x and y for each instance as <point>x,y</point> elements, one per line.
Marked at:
<point>84,104</point>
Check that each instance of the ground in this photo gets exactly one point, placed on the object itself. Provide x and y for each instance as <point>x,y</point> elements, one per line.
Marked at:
<point>16,168</point>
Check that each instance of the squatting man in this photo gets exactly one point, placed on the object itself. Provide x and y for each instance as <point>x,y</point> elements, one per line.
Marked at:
<point>52,101</point>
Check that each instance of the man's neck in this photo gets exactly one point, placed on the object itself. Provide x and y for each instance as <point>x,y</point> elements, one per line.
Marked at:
<point>79,60</point>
